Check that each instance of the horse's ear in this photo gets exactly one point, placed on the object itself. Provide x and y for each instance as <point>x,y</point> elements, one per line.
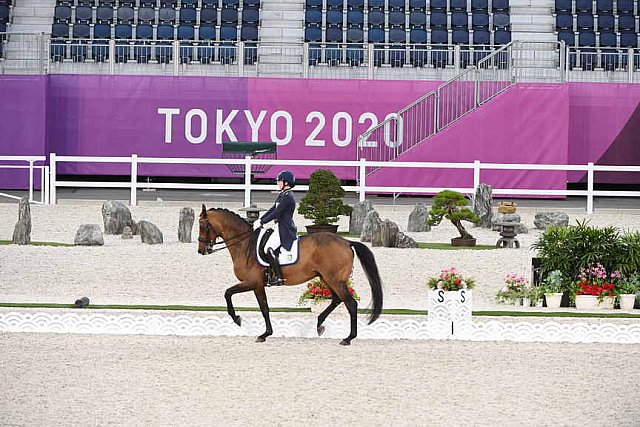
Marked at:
<point>204,211</point>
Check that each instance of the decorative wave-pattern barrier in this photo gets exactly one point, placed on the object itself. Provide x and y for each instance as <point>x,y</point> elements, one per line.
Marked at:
<point>411,328</point>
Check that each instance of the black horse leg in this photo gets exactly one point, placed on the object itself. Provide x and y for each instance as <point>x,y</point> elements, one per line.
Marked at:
<point>352,306</point>
<point>236,289</point>
<point>335,301</point>
<point>261,296</point>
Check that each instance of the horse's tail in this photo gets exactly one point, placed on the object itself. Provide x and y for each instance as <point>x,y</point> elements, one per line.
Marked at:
<point>371,270</point>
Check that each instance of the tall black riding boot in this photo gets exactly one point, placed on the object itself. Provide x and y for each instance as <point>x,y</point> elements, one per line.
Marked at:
<point>276,277</point>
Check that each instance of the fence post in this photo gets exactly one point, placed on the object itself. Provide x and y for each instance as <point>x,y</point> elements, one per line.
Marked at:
<point>456,59</point>
<point>590,187</point>
<point>112,56</point>
<point>241,53</point>
<point>52,179</point>
<point>31,181</point>
<point>176,57</point>
<point>370,61</point>
<point>476,175</point>
<point>247,181</point>
<point>305,61</point>
<point>45,185</point>
<point>436,116</point>
<point>362,178</point>
<point>134,179</point>
<point>630,65</point>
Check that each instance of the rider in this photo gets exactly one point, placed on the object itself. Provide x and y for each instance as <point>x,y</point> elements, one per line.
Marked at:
<point>282,213</point>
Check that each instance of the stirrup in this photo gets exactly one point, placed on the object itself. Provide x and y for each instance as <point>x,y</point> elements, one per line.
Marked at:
<point>274,282</point>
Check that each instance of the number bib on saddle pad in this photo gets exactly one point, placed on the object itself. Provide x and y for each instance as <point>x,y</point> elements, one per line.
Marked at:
<point>270,238</point>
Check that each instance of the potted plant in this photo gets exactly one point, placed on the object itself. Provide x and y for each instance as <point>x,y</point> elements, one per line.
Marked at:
<point>627,288</point>
<point>553,288</point>
<point>450,280</point>
<point>323,202</point>
<point>319,295</point>
<point>515,289</point>
<point>453,206</point>
<point>595,288</point>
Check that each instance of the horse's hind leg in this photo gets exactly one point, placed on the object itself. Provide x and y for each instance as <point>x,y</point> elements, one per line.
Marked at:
<point>335,301</point>
<point>352,306</point>
<point>236,289</point>
<point>261,296</point>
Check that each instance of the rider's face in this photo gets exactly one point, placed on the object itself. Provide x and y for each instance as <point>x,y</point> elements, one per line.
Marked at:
<point>280,185</point>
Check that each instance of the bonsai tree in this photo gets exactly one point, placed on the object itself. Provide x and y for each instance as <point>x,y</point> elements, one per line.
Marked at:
<point>452,206</point>
<point>323,202</point>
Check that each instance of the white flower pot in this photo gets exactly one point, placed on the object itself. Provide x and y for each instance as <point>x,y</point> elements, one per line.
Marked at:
<point>586,302</point>
<point>553,299</point>
<point>627,301</point>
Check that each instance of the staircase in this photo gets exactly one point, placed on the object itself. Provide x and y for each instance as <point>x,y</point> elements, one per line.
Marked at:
<point>281,46</point>
<point>419,121</point>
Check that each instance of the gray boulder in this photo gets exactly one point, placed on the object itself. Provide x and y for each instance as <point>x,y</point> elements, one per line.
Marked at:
<point>543,220</point>
<point>370,226</point>
<point>115,216</point>
<point>149,233</point>
<point>482,202</point>
<point>127,233</point>
<point>22,229</point>
<point>404,241</point>
<point>358,216</point>
<point>89,235</point>
<point>418,219</point>
<point>386,235</point>
<point>185,225</point>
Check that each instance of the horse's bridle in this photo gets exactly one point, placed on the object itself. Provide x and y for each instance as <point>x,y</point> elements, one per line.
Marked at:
<point>212,242</point>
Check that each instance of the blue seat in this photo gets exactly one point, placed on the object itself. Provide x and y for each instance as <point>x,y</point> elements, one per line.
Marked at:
<point>188,15</point>
<point>143,32</point>
<point>564,21</point>
<point>312,34</point>
<point>417,36</point>
<point>313,18</point>
<point>100,42</point>
<point>124,31</point>
<point>60,30</point>
<point>207,32</point>
<point>102,31</point>
<point>355,19</point>
<point>229,16</point>
<point>58,49</point>
<point>480,20</point>
<point>314,4</point>
<point>231,3</point>
<point>143,3</point>
<point>146,15</point>
<point>249,33</point>
<point>355,35</point>
<point>397,35</point>
<point>251,52</point>
<point>604,7</point>
<point>417,19</point>
<point>165,32</point>
<point>458,5</point>
<point>251,4</point>
<point>79,47</point>
<point>439,5</point>
<point>208,15</point>
<point>170,3</point>
<point>439,36</point>
<point>209,4</point>
<point>206,52</point>
<point>501,21</point>
<point>438,20</point>
<point>125,15</point>
<point>375,35</point>
<point>608,39</point>
<point>376,4</point>
<point>334,4</point>
<point>397,55</point>
<point>142,47</point>
<point>628,40</point>
<point>609,58</point>
<point>167,15</point>
<point>460,36</point>
<point>315,54</point>
<point>355,5</point>
<point>104,14</point>
<point>355,55</point>
<point>564,6</point>
<point>459,20</point>
<point>250,16</point>
<point>586,38</point>
<point>60,14</point>
<point>418,53</point>
<point>334,18</point>
<point>81,31</point>
<point>84,14</point>
<point>501,37</point>
<point>479,5</point>
<point>568,37</point>
<point>333,35</point>
<point>499,5</point>
<point>376,19</point>
<point>481,37</point>
<point>111,3</point>
<point>439,53</point>
<point>189,3</point>
<point>229,33</point>
<point>420,5</point>
<point>625,7</point>
<point>585,6</point>
<point>186,34</point>
<point>626,23</point>
<point>397,5</point>
<point>606,22</point>
<point>585,22</point>
<point>396,19</point>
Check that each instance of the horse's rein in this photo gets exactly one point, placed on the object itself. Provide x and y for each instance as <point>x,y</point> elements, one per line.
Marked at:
<point>235,240</point>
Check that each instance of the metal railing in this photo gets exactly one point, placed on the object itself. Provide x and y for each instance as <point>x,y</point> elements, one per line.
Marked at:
<point>418,121</point>
<point>603,64</point>
<point>9,162</point>
<point>360,166</point>
<point>23,53</point>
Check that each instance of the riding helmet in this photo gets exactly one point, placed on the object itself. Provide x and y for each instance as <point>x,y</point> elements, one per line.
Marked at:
<point>287,176</point>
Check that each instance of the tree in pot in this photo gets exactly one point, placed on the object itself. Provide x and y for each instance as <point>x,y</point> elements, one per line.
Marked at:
<point>323,202</point>
<point>453,206</point>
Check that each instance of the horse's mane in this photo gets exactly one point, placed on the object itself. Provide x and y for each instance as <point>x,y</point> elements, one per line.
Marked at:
<point>250,250</point>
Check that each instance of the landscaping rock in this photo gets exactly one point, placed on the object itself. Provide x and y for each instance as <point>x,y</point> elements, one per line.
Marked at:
<point>115,216</point>
<point>22,229</point>
<point>127,233</point>
<point>185,225</point>
<point>358,216</point>
<point>418,219</point>
<point>386,235</point>
<point>149,233</point>
<point>370,226</point>
<point>482,202</point>
<point>89,235</point>
<point>543,220</point>
<point>404,241</point>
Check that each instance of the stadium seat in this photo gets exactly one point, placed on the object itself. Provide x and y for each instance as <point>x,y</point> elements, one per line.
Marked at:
<point>397,36</point>
<point>125,15</point>
<point>585,22</point>
<point>206,52</point>
<point>568,37</point>
<point>564,21</point>
<point>208,16</point>
<point>355,35</point>
<point>89,3</point>
<point>501,21</point>
<point>355,19</point>
<point>191,4</point>
<point>564,6</point>
<point>440,5</point>
<point>604,7</point>
<point>81,31</point>
<point>314,4</point>
<point>167,15</point>
<point>334,18</point>
<point>460,36</point>
<point>458,5</point>
<point>481,37</point>
<point>229,16</point>
<point>355,5</point>
<point>499,5</point>
<point>228,33</point>
<point>207,32</point>
<point>123,33</point>
<point>132,3</point>
<point>188,15</point>
<point>102,31</point>
<point>587,38</point>
<point>420,5</point>
<point>375,35</point>
<point>438,20</point>
<point>626,23</point>
<point>459,20</point>
<point>146,15</point>
<point>396,19</point>
<point>585,6</point>
<point>186,32</point>
<point>376,19</point>
<point>501,37</point>
<point>209,4</point>
<point>110,3</point>
<point>143,32</point>
<point>480,20</point>
<point>417,36</point>
<point>333,35</point>
<point>60,14</point>
<point>251,4</point>
<point>376,4</point>
<point>628,40</point>
<point>60,30</point>
<point>84,14</point>
<point>417,19</point>
<point>231,3</point>
<point>625,7</point>
<point>313,18</point>
<point>186,35</point>
<point>439,51</point>
<point>606,22</point>
<point>608,39</point>
<point>104,15</point>
<point>249,33</point>
<point>100,43</point>
<point>143,3</point>
<point>171,3</point>
<point>355,54</point>
<point>479,5</point>
<point>312,34</point>
<point>250,16</point>
<point>79,47</point>
<point>334,5</point>
<point>397,5</point>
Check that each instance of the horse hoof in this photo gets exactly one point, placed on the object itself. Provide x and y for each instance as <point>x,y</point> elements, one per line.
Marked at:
<point>320,330</point>
<point>238,320</point>
<point>345,342</point>
<point>261,339</point>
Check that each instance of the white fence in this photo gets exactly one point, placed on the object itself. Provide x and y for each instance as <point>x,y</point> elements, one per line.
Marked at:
<point>360,166</point>
<point>31,166</point>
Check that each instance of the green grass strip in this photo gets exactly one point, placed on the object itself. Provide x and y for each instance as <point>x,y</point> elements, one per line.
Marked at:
<point>448,247</point>
<point>388,311</point>
<point>8,242</point>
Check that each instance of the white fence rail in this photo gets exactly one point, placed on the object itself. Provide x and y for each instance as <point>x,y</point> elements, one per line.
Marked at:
<point>31,166</point>
<point>360,166</point>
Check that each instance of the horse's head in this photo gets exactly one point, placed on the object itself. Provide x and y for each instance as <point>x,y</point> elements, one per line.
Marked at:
<point>207,235</point>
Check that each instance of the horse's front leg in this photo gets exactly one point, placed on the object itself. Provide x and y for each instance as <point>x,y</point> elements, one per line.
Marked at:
<point>261,296</point>
<point>236,289</point>
<point>335,301</point>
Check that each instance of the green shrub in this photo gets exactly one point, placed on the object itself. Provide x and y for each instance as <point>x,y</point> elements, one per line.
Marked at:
<point>452,206</point>
<point>323,202</point>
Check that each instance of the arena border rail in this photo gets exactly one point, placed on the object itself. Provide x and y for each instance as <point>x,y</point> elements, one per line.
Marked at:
<point>360,165</point>
<point>44,175</point>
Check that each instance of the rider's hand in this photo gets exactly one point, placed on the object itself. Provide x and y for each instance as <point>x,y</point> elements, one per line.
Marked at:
<point>257,224</point>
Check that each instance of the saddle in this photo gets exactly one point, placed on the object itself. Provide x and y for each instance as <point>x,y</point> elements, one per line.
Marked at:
<point>268,239</point>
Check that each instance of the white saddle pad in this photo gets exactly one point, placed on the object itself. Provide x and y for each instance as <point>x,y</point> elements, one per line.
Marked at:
<point>286,257</point>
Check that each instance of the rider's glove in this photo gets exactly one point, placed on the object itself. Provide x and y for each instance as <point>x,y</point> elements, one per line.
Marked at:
<point>257,224</point>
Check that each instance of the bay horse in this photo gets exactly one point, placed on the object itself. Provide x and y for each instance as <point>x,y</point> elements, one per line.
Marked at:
<point>326,255</point>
